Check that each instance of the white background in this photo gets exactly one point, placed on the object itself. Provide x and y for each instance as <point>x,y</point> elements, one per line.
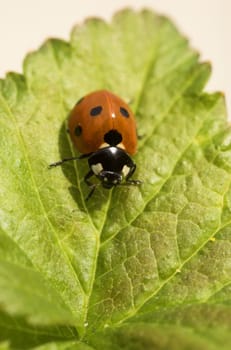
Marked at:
<point>25,24</point>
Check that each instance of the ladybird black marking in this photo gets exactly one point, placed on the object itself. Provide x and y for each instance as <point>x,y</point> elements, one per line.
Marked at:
<point>78,130</point>
<point>96,111</point>
<point>113,137</point>
<point>79,101</point>
<point>124,112</point>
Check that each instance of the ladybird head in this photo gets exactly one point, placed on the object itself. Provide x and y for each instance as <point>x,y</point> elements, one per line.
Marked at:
<point>111,165</point>
<point>110,178</point>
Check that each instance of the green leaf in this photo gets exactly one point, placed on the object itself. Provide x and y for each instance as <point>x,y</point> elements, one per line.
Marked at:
<point>71,345</point>
<point>138,267</point>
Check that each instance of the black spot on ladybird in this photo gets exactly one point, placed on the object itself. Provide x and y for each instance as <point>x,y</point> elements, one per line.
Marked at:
<point>124,112</point>
<point>78,130</point>
<point>96,111</point>
<point>113,137</point>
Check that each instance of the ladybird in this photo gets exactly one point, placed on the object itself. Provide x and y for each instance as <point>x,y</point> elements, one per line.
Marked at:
<point>102,127</point>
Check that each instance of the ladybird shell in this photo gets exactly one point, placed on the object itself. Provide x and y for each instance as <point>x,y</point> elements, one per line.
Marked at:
<point>102,119</point>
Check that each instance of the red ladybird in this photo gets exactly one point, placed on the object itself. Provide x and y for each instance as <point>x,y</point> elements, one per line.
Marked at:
<point>102,127</point>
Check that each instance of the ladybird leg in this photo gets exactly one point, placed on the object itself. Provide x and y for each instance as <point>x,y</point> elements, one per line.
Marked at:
<point>60,162</point>
<point>87,176</point>
<point>91,185</point>
<point>131,172</point>
<point>91,192</point>
<point>130,181</point>
<point>64,160</point>
<point>133,182</point>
